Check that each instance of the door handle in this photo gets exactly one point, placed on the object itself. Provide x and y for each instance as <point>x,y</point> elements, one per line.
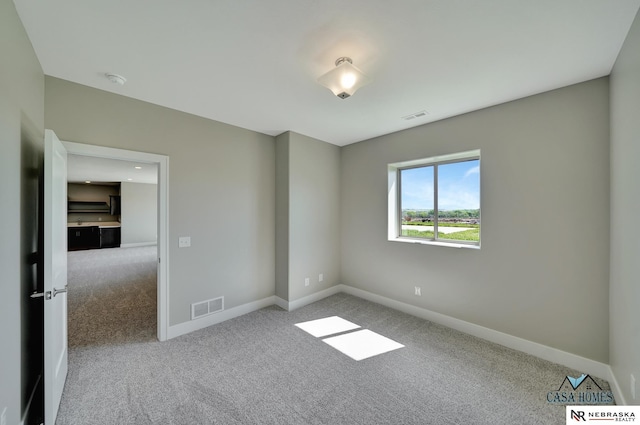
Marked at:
<point>59,291</point>
<point>49,294</point>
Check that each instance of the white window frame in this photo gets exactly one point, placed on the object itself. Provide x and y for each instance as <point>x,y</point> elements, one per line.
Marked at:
<point>394,200</point>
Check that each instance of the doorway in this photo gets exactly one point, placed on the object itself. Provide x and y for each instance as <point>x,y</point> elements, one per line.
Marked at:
<point>161,162</point>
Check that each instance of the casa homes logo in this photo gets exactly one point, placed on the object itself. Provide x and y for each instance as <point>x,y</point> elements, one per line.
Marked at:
<point>580,414</point>
<point>580,390</point>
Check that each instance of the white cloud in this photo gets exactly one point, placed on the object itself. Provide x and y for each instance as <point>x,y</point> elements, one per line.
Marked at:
<point>473,170</point>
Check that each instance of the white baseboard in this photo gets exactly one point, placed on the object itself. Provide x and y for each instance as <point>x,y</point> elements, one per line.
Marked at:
<point>133,245</point>
<point>309,299</point>
<point>194,325</point>
<point>281,303</point>
<point>582,364</point>
<point>591,367</point>
<point>615,388</point>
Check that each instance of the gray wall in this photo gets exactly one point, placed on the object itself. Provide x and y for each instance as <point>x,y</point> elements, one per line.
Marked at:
<point>282,216</point>
<point>21,146</point>
<point>542,272</point>
<point>624,353</point>
<point>314,224</point>
<point>139,213</point>
<point>308,195</point>
<point>221,189</point>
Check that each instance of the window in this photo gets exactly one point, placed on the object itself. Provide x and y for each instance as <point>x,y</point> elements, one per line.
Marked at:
<point>436,200</point>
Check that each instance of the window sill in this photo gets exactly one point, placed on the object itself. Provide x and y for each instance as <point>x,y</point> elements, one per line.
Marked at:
<point>436,243</point>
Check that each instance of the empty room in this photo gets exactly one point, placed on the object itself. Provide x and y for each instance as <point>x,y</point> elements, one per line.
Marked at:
<point>365,212</point>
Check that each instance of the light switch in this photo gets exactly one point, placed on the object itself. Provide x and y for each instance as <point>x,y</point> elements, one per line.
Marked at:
<point>184,241</point>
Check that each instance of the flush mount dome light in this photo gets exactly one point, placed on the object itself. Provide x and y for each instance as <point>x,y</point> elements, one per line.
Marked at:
<point>344,79</point>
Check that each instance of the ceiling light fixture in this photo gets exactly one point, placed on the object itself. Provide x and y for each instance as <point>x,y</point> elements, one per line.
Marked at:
<point>115,78</point>
<point>344,79</point>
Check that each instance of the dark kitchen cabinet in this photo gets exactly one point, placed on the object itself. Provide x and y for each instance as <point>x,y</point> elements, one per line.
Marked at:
<point>83,238</point>
<point>110,237</point>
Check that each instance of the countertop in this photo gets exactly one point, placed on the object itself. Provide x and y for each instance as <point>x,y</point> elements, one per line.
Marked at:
<point>101,224</point>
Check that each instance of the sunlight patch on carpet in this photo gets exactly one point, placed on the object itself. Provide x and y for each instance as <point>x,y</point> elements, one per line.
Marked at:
<point>362,344</point>
<point>327,326</point>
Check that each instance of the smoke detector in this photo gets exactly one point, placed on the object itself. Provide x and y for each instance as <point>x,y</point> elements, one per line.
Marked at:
<point>115,78</point>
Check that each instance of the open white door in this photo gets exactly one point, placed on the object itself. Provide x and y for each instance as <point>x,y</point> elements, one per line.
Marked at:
<point>55,274</point>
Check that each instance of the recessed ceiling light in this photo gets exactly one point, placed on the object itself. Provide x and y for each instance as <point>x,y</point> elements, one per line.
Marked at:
<point>87,181</point>
<point>138,168</point>
<point>129,179</point>
<point>115,78</point>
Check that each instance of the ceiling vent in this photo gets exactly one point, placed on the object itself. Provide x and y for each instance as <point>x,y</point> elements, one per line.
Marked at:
<point>415,115</point>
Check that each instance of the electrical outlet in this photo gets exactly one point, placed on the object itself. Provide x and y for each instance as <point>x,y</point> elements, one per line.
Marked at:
<point>307,281</point>
<point>418,289</point>
<point>633,386</point>
<point>3,417</point>
<point>320,277</point>
<point>184,241</point>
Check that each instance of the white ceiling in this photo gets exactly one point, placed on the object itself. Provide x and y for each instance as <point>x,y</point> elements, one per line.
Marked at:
<point>254,63</point>
<point>101,170</point>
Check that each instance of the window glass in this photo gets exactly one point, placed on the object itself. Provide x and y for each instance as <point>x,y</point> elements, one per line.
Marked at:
<point>416,199</point>
<point>436,199</point>
<point>459,201</point>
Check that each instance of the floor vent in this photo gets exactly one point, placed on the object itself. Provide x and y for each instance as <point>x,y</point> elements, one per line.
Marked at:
<point>205,308</point>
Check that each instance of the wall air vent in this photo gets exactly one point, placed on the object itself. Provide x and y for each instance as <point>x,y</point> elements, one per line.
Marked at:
<point>205,308</point>
<point>415,115</point>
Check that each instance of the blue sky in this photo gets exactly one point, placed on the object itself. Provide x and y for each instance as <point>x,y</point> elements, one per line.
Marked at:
<point>458,186</point>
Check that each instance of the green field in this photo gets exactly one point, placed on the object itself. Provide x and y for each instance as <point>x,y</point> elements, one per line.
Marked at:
<point>471,235</point>
<point>452,218</point>
<point>422,214</point>
<point>442,224</point>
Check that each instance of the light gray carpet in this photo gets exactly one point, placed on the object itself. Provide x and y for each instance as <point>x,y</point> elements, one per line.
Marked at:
<point>112,296</point>
<point>261,369</point>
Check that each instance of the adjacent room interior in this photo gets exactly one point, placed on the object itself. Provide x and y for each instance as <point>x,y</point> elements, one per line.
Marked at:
<point>112,243</point>
<point>286,205</point>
